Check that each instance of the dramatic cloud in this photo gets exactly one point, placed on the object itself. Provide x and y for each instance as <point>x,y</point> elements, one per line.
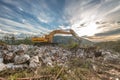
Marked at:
<point>95,19</point>
<point>84,16</point>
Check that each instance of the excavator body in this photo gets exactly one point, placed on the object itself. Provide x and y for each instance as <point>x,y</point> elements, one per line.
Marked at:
<point>40,39</point>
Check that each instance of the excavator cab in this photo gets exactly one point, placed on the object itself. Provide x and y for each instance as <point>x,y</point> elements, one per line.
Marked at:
<point>39,39</point>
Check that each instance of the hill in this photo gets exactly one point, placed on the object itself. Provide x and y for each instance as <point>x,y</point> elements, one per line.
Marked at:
<point>70,39</point>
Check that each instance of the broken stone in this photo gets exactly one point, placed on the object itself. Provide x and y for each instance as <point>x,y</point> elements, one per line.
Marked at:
<point>12,66</point>
<point>0,54</point>
<point>112,58</point>
<point>34,62</point>
<point>1,60</point>
<point>80,53</point>
<point>8,58</point>
<point>2,67</point>
<point>97,54</point>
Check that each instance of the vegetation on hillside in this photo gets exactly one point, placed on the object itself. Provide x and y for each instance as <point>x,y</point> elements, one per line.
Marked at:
<point>17,41</point>
<point>113,45</point>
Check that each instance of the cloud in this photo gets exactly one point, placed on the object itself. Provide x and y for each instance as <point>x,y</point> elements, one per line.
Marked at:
<point>28,9</point>
<point>83,15</point>
<point>104,38</point>
<point>42,20</point>
<point>81,10</point>
<point>19,27</point>
<point>44,17</point>
<point>64,27</point>
<point>108,33</point>
<point>3,32</point>
<point>11,30</point>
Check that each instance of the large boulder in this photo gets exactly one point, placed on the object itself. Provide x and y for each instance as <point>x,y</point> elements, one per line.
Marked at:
<point>23,47</point>
<point>21,59</point>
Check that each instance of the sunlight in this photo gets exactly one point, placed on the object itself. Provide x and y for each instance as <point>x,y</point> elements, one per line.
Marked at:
<point>88,30</point>
<point>87,26</point>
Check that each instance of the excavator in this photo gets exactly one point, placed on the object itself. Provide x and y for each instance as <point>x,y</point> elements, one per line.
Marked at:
<point>48,39</point>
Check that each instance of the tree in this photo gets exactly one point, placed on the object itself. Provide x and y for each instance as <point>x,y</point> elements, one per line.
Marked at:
<point>13,39</point>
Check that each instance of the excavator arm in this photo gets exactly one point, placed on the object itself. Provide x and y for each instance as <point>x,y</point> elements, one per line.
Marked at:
<point>51,35</point>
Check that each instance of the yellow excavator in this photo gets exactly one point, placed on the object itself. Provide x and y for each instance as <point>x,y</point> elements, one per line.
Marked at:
<point>48,39</point>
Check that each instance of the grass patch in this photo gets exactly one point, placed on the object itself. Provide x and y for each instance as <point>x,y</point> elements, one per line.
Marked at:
<point>76,69</point>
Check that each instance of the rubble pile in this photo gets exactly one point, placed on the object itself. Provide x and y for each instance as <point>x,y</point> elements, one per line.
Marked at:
<point>111,58</point>
<point>35,56</point>
<point>32,56</point>
<point>29,56</point>
<point>92,52</point>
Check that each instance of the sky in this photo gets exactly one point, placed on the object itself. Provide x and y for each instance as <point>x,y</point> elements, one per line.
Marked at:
<point>96,20</point>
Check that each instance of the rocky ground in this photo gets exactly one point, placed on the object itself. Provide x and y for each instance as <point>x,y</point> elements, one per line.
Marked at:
<point>30,62</point>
